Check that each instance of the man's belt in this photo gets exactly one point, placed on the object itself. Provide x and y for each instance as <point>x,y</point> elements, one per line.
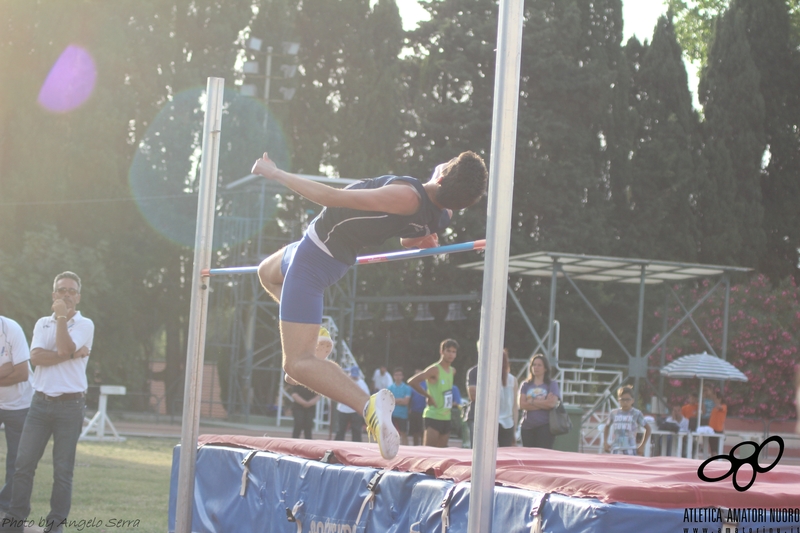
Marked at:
<point>61,398</point>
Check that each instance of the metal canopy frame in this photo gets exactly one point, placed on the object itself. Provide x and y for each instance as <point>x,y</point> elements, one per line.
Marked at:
<point>603,269</point>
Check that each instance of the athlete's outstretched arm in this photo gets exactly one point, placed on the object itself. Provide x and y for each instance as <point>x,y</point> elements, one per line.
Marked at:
<point>397,199</point>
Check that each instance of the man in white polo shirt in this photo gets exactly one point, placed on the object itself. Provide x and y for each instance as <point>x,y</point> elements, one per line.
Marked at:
<point>15,394</point>
<point>59,351</point>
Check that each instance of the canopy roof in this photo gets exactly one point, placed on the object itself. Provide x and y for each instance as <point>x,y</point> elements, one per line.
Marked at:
<point>602,268</point>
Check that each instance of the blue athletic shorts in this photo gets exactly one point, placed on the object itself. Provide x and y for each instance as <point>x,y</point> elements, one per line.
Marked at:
<point>307,272</point>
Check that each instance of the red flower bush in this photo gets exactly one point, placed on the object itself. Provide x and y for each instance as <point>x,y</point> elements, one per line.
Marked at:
<point>763,339</point>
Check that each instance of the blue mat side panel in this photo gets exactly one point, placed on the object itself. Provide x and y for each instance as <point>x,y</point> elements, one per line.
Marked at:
<point>327,499</point>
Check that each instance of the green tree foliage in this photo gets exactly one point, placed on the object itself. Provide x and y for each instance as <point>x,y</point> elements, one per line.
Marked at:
<point>694,24</point>
<point>656,168</point>
<point>570,54</point>
<point>778,63</point>
<point>26,286</point>
<point>731,208</point>
<point>346,113</point>
<point>71,171</point>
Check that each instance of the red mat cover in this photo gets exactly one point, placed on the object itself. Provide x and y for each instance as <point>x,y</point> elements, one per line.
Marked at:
<point>661,482</point>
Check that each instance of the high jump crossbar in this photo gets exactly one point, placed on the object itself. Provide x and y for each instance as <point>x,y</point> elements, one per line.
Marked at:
<point>376,258</point>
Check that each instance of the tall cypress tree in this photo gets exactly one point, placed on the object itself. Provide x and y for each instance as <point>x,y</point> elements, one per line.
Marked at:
<point>778,63</point>
<point>347,111</point>
<point>655,184</point>
<point>731,209</point>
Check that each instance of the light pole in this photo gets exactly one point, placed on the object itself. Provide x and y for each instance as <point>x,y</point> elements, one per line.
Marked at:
<point>251,69</point>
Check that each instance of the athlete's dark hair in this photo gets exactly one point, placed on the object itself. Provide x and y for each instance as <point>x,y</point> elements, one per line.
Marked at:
<point>463,182</point>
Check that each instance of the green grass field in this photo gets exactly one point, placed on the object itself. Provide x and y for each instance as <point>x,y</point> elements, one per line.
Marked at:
<point>117,486</point>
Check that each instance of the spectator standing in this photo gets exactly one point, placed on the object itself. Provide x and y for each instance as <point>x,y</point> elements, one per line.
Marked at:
<point>60,351</point>
<point>381,379</point>
<point>717,418</point>
<point>347,415</point>
<point>439,394</point>
<point>304,407</point>
<point>708,405</point>
<point>623,424</point>
<point>689,411</point>
<point>509,404</point>
<point>402,399</point>
<point>15,395</point>
<point>472,387</point>
<point>415,409</point>
<point>537,395</point>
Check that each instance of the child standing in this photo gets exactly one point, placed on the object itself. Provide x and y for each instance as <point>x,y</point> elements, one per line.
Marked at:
<point>625,423</point>
<point>402,398</point>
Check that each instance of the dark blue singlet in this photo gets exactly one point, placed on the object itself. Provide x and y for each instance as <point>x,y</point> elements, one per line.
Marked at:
<point>333,240</point>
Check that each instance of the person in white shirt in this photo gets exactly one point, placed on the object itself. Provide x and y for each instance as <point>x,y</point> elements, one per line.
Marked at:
<point>60,352</point>
<point>15,395</point>
<point>347,415</point>
<point>381,379</point>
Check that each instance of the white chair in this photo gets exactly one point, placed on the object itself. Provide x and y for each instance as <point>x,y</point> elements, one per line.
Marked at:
<point>585,353</point>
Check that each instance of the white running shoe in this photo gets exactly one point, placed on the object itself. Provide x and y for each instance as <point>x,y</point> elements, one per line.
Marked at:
<point>378,414</point>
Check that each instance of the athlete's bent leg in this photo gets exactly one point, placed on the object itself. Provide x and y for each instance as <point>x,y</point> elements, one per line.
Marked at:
<point>323,376</point>
<point>270,275</point>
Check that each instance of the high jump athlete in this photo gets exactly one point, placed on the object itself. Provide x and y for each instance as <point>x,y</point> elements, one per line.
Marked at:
<point>365,213</point>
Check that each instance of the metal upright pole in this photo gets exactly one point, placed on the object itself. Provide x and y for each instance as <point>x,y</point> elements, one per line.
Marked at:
<point>498,231</point>
<point>640,328</point>
<point>552,314</point>
<point>267,79</point>
<point>199,306</point>
<point>726,313</point>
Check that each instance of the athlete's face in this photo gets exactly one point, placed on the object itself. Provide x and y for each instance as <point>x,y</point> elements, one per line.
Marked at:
<point>449,354</point>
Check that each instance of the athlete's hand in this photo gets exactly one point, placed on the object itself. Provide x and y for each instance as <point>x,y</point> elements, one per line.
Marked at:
<point>265,167</point>
<point>428,241</point>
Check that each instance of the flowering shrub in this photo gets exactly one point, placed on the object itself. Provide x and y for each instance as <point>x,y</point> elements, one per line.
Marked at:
<point>763,338</point>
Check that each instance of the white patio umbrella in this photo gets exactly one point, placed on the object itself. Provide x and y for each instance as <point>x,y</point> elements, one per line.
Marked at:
<point>703,366</point>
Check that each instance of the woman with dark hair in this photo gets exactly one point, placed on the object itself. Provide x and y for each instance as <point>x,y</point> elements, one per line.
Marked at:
<point>537,395</point>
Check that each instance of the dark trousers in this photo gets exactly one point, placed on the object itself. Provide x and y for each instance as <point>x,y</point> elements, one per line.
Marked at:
<point>539,437</point>
<point>355,421</point>
<point>303,421</point>
<point>505,437</point>
<point>63,421</point>
<point>13,422</point>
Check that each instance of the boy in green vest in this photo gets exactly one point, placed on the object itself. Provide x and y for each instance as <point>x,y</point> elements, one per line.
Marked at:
<point>439,395</point>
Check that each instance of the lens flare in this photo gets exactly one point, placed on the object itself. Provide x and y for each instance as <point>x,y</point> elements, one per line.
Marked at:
<point>165,168</point>
<point>70,82</point>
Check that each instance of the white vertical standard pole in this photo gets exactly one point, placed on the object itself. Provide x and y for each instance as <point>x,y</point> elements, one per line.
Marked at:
<point>498,231</point>
<point>206,201</point>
